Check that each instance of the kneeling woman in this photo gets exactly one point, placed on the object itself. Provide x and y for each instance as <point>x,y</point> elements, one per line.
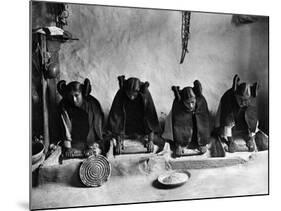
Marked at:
<point>237,117</point>
<point>188,122</point>
<point>133,114</point>
<point>81,120</point>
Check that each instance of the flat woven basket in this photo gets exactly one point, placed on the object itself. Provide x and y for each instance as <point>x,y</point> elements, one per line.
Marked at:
<point>95,171</point>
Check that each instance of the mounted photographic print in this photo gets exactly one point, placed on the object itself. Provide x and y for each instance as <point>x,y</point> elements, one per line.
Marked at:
<point>136,105</point>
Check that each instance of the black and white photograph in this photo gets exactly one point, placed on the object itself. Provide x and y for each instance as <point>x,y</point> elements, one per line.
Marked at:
<point>142,105</point>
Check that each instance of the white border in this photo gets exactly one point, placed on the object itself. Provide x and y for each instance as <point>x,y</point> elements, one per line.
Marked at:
<point>15,103</point>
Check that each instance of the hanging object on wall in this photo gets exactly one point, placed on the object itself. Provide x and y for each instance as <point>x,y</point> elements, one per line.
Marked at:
<point>61,19</point>
<point>59,12</point>
<point>49,14</point>
<point>185,33</point>
<point>46,43</point>
<point>243,19</point>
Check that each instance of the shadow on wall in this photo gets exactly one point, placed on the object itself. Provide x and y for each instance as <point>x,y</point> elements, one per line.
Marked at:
<point>258,67</point>
<point>255,67</point>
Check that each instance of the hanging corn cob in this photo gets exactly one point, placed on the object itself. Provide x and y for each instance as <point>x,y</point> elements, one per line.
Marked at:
<point>185,33</point>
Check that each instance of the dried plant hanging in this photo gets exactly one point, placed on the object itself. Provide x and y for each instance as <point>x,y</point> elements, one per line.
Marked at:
<point>185,33</point>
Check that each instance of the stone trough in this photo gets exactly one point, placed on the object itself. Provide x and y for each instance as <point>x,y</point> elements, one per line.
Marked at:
<point>54,170</point>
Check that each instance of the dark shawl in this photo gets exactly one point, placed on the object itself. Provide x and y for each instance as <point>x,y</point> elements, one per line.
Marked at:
<point>84,123</point>
<point>230,112</point>
<point>191,125</point>
<point>117,114</point>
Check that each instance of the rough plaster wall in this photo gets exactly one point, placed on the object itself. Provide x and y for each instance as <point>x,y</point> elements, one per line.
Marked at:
<point>147,44</point>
